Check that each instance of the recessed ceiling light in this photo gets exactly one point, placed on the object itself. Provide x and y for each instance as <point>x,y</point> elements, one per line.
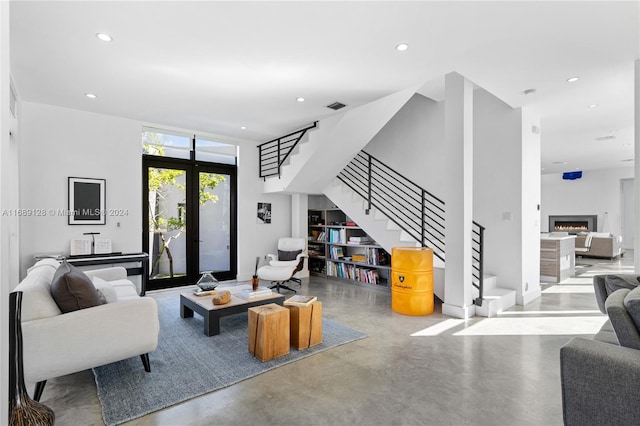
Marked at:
<point>104,37</point>
<point>593,106</point>
<point>529,91</point>
<point>402,47</point>
<point>559,162</point>
<point>90,95</point>
<point>613,130</point>
<point>243,127</point>
<point>573,79</point>
<point>300,99</point>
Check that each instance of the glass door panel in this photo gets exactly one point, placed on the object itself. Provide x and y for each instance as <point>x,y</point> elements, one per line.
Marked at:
<point>167,189</point>
<point>214,222</point>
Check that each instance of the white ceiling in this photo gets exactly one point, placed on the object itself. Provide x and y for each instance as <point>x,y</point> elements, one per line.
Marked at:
<point>214,66</point>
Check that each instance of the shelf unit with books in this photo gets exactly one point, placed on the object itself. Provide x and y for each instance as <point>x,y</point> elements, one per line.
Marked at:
<point>339,248</point>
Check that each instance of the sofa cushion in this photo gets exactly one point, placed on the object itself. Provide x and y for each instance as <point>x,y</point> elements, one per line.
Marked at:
<point>105,289</point>
<point>624,326</point>
<point>288,255</point>
<point>125,289</point>
<point>37,302</point>
<point>72,289</point>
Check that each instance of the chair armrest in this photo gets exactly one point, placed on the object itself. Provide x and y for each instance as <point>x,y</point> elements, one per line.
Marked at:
<point>108,274</point>
<point>89,337</point>
<point>599,383</point>
<point>284,263</point>
<point>602,247</point>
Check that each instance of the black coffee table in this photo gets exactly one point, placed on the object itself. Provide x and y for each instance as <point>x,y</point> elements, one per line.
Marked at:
<point>203,305</point>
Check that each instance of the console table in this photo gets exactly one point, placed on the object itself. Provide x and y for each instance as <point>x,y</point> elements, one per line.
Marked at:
<point>142,258</point>
<point>557,257</point>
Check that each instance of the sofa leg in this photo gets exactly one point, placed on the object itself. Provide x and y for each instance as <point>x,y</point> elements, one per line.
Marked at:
<point>145,362</point>
<point>39,389</point>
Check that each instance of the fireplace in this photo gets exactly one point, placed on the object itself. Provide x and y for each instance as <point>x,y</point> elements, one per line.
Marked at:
<point>573,224</point>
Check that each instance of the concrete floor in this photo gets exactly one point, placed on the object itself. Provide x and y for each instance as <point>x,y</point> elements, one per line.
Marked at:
<point>431,370</point>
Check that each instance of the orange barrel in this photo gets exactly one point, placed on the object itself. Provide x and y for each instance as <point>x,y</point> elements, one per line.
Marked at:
<point>412,280</point>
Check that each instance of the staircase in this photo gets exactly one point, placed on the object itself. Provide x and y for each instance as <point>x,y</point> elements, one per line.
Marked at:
<point>396,214</point>
<point>383,230</point>
<point>330,146</point>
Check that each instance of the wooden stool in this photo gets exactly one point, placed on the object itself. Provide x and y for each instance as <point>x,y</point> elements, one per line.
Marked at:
<point>268,331</point>
<point>306,325</point>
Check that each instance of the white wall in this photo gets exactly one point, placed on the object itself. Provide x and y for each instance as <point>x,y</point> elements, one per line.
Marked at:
<point>419,125</point>
<point>257,239</point>
<point>5,203</point>
<point>597,192</point>
<point>506,192</point>
<point>59,142</point>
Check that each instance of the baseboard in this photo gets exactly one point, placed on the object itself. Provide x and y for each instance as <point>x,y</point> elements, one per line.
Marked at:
<point>464,312</point>
<point>528,297</point>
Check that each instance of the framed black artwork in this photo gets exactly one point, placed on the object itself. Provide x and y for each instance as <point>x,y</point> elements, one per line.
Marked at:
<point>87,201</point>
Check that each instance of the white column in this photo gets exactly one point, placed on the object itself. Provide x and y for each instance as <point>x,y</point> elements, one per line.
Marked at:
<point>299,222</point>
<point>528,286</point>
<point>636,166</point>
<point>459,199</point>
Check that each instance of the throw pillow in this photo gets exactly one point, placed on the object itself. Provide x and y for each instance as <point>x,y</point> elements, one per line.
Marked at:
<point>624,326</point>
<point>72,289</point>
<point>105,289</point>
<point>616,282</point>
<point>632,303</point>
<point>288,255</point>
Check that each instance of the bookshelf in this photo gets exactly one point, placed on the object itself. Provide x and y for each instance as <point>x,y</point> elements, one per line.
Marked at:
<point>339,248</point>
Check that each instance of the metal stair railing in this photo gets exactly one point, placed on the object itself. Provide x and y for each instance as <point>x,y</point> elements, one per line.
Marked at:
<point>273,153</point>
<point>416,211</point>
<point>477,255</point>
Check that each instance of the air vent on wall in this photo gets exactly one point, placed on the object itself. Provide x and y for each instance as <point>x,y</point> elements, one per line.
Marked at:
<point>605,138</point>
<point>336,106</point>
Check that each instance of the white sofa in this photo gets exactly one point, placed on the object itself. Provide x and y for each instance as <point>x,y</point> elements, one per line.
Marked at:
<point>56,344</point>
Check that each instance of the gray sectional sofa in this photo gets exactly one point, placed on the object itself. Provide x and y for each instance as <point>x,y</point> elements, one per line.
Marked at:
<point>600,377</point>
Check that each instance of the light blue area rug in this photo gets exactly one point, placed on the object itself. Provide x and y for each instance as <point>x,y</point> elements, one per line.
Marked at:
<point>187,364</point>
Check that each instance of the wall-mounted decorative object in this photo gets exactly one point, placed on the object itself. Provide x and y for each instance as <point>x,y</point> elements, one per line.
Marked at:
<point>87,201</point>
<point>264,212</point>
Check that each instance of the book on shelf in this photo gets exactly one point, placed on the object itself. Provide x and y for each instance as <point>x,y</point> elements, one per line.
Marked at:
<point>260,292</point>
<point>359,257</point>
<point>359,240</point>
<point>336,252</point>
<point>300,300</point>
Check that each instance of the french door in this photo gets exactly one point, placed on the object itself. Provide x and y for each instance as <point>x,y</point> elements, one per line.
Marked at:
<point>189,220</point>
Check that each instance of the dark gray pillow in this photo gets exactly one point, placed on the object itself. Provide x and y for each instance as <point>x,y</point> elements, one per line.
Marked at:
<point>72,289</point>
<point>616,282</point>
<point>632,303</point>
<point>623,324</point>
<point>288,255</point>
